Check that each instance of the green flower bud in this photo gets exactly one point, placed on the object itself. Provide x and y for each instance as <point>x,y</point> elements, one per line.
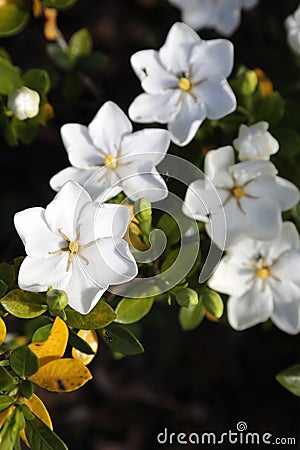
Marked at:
<point>142,210</point>
<point>56,300</point>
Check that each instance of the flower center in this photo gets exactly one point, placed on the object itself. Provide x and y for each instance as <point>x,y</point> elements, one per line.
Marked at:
<point>73,247</point>
<point>184,84</point>
<point>264,272</point>
<point>238,192</point>
<point>110,161</point>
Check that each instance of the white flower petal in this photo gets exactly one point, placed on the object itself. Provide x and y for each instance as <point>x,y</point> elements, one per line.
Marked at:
<point>149,144</point>
<point>185,125</point>
<point>286,316</point>
<point>218,160</point>
<point>62,213</point>
<point>108,128</point>
<point>199,202</point>
<point>83,292</point>
<point>81,150</point>
<point>212,58</point>
<point>288,267</point>
<point>229,17</point>
<point>155,108</point>
<point>142,180</point>
<point>263,217</point>
<point>218,98</point>
<point>110,262</point>
<point>254,307</point>
<point>37,237</point>
<point>154,77</point>
<point>70,174</point>
<point>103,184</point>
<point>287,240</point>
<point>195,14</point>
<point>37,274</point>
<point>231,278</point>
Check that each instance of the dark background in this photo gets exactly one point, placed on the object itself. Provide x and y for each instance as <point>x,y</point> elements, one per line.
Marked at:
<point>205,380</point>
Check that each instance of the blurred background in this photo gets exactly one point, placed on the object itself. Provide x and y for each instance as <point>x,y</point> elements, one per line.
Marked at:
<point>206,380</point>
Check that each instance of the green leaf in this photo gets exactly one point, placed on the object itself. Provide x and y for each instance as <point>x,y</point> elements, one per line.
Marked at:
<point>24,362</point>
<point>24,130</point>
<point>38,80</point>
<point>8,274</point>
<point>10,431</point>
<point>60,57</point>
<point>101,316</point>
<point>169,226</point>
<point>26,389</point>
<point>41,334</point>
<point>190,318</point>
<point>213,303</point>
<point>28,414</point>
<point>290,379</point>
<point>3,288</point>
<point>6,401</point>
<point>79,343</point>
<point>185,297</point>
<point>271,109</point>
<point>10,79</point>
<point>13,17</point>
<point>123,341</point>
<point>131,310</point>
<point>80,43</point>
<point>41,437</point>
<point>23,304</point>
<point>7,382</point>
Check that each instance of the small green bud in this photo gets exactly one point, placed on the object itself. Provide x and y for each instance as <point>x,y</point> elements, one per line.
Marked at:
<point>56,300</point>
<point>142,210</point>
<point>213,303</point>
<point>186,297</point>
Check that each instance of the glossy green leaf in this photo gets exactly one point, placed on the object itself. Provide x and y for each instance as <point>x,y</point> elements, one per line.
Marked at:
<point>290,379</point>
<point>41,437</point>
<point>59,4</point>
<point>169,226</point>
<point>10,431</point>
<point>13,17</point>
<point>24,362</point>
<point>26,389</point>
<point>6,401</point>
<point>80,43</point>
<point>38,80</point>
<point>185,297</point>
<point>101,316</point>
<point>7,382</point>
<point>123,341</point>
<point>190,318</point>
<point>60,57</point>
<point>79,343</point>
<point>41,334</point>
<point>24,130</point>
<point>8,274</point>
<point>131,310</point>
<point>3,288</point>
<point>23,304</point>
<point>213,303</point>
<point>10,78</point>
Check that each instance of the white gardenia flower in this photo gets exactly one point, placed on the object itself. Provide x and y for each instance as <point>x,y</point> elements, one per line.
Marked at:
<point>292,25</point>
<point>107,158</point>
<point>75,245</point>
<point>222,15</point>
<point>263,281</point>
<point>24,103</point>
<point>251,195</point>
<point>255,142</point>
<point>184,82</point>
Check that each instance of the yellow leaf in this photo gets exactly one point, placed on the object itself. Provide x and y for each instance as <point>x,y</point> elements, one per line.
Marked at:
<point>50,27</point>
<point>38,408</point>
<point>2,330</point>
<point>64,375</point>
<point>90,336</point>
<point>54,346</point>
<point>5,414</point>
<point>264,83</point>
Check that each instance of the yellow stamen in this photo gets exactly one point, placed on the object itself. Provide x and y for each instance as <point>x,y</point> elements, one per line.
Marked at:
<point>238,192</point>
<point>184,84</point>
<point>264,272</point>
<point>73,247</point>
<point>110,161</point>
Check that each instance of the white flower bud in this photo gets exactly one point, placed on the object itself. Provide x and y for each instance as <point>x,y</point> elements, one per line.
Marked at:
<point>24,103</point>
<point>255,142</point>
